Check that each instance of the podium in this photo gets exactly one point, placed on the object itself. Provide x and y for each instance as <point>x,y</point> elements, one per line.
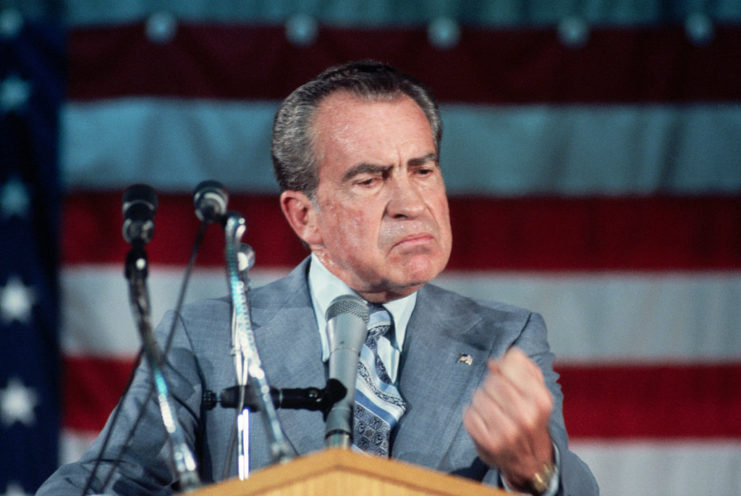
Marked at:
<point>344,472</point>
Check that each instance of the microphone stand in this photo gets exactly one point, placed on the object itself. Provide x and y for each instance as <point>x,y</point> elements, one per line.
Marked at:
<point>248,366</point>
<point>136,274</point>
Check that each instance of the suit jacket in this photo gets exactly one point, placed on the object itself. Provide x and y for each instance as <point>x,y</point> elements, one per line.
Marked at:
<point>434,382</point>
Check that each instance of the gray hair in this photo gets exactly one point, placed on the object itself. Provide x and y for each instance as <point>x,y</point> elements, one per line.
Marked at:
<point>294,161</point>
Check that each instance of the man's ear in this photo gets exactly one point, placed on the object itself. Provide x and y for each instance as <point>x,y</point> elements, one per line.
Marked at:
<point>302,216</point>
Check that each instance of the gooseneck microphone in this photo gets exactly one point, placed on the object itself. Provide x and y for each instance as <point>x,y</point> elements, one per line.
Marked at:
<point>210,199</point>
<point>347,327</point>
<point>139,204</point>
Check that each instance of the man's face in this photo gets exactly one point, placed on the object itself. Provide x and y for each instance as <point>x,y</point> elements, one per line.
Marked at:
<point>382,222</point>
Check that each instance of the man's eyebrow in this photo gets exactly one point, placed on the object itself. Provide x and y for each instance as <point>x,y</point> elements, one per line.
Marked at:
<point>365,168</point>
<point>430,157</point>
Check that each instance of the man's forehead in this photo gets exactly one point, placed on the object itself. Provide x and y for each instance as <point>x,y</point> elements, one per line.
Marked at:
<point>343,99</point>
<point>346,112</point>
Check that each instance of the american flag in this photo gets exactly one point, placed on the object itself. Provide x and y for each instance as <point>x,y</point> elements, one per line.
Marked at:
<point>592,163</point>
<point>32,80</point>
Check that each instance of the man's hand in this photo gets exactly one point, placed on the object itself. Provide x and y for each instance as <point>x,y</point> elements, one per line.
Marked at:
<point>508,418</point>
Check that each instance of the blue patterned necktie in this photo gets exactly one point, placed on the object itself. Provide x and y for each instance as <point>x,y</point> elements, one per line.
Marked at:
<point>378,404</point>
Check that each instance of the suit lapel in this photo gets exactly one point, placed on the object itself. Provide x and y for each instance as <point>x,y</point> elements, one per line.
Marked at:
<point>286,337</point>
<point>445,355</point>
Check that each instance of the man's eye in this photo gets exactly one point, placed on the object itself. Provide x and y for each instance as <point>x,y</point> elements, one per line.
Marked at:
<point>366,182</point>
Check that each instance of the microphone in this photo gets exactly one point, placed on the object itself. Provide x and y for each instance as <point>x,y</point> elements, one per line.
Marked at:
<point>347,327</point>
<point>139,207</point>
<point>210,199</point>
<point>139,204</point>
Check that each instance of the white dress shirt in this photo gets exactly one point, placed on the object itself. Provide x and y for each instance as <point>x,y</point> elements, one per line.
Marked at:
<point>325,287</point>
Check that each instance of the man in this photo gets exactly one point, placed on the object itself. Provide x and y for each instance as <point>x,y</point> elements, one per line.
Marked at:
<point>356,154</point>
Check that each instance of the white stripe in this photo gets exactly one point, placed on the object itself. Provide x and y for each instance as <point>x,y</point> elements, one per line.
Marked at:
<point>394,13</point>
<point>170,144</point>
<point>624,317</point>
<point>573,149</point>
<point>96,318</point>
<point>688,317</point>
<point>676,468</point>
<point>72,444</point>
<point>502,150</point>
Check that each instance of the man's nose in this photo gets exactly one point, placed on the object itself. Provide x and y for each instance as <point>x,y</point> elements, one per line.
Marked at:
<point>405,200</point>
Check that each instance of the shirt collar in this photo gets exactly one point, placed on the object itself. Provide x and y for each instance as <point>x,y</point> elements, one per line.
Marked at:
<point>325,287</point>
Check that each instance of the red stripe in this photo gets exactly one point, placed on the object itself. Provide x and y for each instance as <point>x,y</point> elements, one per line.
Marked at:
<point>637,233</point>
<point>92,224</point>
<point>691,401</point>
<point>644,64</point>
<point>651,401</point>
<point>92,388</point>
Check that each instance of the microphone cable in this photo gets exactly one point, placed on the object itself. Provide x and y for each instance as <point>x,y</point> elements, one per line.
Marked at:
<point>168,343</point>
<point>205,221</point>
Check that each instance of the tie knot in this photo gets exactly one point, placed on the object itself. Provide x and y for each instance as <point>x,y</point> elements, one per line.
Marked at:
<point>379,321</point>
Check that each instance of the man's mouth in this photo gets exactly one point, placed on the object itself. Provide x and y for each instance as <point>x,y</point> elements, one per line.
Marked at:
<point>414,240</point>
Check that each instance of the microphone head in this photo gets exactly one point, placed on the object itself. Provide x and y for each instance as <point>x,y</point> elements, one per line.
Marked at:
<point>138,204</point>
<point>210,199</point>
<point>137,194</point>
<point>347,320</point>
<point>349,303</point>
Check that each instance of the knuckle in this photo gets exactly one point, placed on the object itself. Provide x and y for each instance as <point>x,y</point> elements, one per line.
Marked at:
<point>530,420</point>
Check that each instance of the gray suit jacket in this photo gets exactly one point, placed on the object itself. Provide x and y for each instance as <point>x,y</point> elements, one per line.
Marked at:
<point>435,384</point>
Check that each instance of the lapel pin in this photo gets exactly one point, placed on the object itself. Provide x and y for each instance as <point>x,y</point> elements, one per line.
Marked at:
<point>465,358</point>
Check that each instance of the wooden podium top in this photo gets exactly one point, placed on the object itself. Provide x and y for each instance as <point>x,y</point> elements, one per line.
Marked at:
<point>344,472</point>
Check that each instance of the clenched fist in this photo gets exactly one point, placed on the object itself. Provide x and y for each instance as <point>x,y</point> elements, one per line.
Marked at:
<point>508,418</point>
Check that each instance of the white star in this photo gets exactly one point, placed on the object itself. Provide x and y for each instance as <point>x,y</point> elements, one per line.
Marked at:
<point>17,403</point>
<point>14,199</point>
<point>14,93</point>
<point>16,301</point>
<point>11,23</point>
<point>14,489</point>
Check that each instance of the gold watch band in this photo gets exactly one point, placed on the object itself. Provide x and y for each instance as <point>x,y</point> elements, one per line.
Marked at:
<point>541,481</point>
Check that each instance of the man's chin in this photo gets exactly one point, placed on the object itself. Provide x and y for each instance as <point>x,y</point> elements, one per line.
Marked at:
<point>422,268</point>
<point>417,276</point>
<point>401,277</point>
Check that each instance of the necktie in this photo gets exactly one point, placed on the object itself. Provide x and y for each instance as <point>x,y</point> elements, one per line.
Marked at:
<point>378,404</point>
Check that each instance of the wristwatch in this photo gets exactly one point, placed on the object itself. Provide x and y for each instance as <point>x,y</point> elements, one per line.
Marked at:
<point>541,481</point>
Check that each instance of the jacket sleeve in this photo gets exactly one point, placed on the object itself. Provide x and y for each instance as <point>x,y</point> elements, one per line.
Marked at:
<point>145,466</point>
<point>575,476</point>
